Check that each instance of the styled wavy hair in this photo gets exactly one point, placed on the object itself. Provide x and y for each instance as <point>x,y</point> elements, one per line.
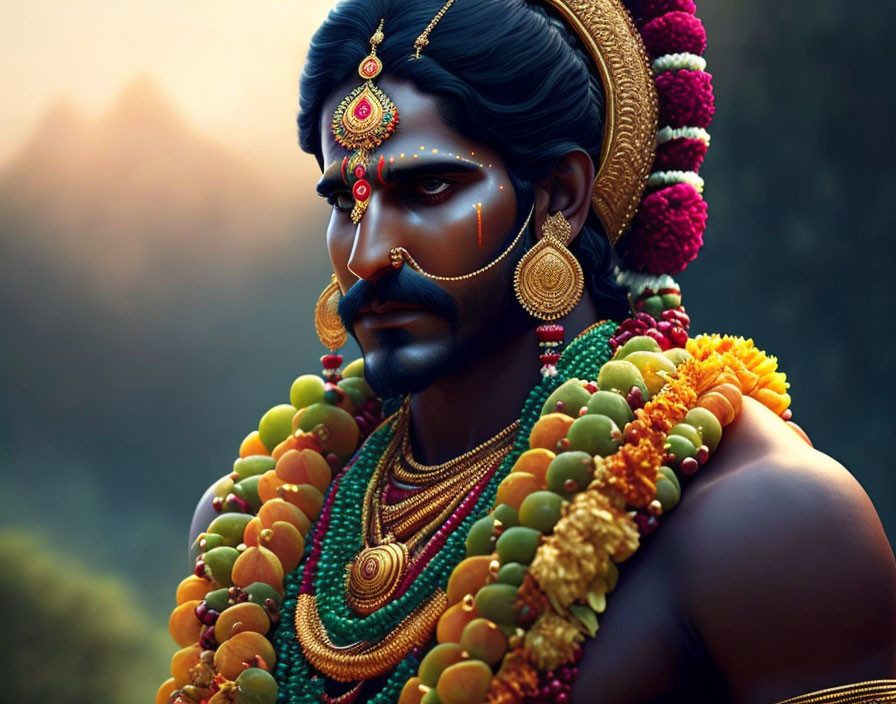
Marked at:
<point>503,72</point>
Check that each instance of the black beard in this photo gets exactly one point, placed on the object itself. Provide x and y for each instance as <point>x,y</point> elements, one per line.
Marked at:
<point>396,368</point>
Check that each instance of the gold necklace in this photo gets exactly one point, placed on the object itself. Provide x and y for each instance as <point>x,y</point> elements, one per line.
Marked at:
<point>395,535</point>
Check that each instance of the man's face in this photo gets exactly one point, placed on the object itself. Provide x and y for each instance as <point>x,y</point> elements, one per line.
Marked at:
<point>449,202</point>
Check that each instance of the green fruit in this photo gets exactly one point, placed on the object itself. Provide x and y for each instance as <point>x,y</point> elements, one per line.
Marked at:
<point>436,660</point>
<point>653,306</point>
<point>496,603</point>
<point>219,564</point>
<point>208,541</point>
<point>541,510</point>
<point>667,494</point>
<point>640,343</point>
<point>247,489</point>
<point>339,433</point>
<point>686,430</point>
<point>512,573</point>
<point>669,474</point>
<point>671,300</point>
<point>357,389</point>
<point>223,487</point>
<point>195,549</point>
<point>654,368</point>
<point>677,355</point>
<point>571,396</point>
<point>620,376</point>
<point>507,515</point>
<point>231,526</point>
<point>484,641</point>
<point>569,473</point>
<point>708,426</point>
<point>218,600</point>
<point>518,544</point>
<point>307,389</point>
<point>354,369</point>
<point>612,405</point>
<point>259,593</point>
<point>254,464</point>
<point>276,425</point>
<point>679,448</point>
<point>594,434</point>
<point>258,683</point>
<point>480,538</point>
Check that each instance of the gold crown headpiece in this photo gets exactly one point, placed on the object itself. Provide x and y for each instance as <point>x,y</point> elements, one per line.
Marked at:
<point>608,34</point>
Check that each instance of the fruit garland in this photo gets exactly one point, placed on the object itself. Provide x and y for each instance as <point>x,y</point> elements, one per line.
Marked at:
<point>597,463</point>
<point>267,505</point>
<point>229,619</point>
<point>607,459</point>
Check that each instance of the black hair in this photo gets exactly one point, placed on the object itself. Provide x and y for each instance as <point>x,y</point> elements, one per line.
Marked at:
<point>504,72</point>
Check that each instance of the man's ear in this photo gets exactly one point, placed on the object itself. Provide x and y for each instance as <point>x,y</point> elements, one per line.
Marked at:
<point>568,190</point>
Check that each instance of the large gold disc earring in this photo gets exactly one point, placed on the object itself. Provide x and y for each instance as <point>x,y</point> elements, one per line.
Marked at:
<point>327,323</point>
<point>548,280</point>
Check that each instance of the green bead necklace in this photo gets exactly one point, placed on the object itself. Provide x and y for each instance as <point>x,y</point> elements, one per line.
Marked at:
<point>582,358</point>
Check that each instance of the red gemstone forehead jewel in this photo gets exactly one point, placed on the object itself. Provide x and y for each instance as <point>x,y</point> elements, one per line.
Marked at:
<point>363,109</point>
<point>365,119</point>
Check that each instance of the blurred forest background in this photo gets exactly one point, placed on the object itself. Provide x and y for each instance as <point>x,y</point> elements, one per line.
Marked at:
<point>157,283</point>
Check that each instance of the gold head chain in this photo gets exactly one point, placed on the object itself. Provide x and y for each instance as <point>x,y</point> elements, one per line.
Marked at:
<point>423,40</point>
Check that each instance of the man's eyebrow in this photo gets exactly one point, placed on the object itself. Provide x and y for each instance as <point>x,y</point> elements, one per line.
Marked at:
<point>396,169</point>
<point>410,167</point>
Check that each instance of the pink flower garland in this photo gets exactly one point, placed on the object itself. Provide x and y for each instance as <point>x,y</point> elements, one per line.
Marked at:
<point>667,232</point>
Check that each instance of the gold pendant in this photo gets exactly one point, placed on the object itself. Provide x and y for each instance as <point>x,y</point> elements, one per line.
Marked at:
<point>374,576</point>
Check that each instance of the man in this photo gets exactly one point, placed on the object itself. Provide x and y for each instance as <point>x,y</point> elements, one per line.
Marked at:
<point>772,578</point>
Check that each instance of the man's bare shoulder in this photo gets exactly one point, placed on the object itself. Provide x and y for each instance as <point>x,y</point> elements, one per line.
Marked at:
<point>782,565</point>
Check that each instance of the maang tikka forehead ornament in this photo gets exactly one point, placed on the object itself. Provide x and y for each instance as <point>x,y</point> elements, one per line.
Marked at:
<point>365,119</point>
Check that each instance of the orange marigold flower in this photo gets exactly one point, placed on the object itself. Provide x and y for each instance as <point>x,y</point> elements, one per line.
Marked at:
<point>516,680</point>
<point>592,531</point>
<point>756,371</point>
<point>553,641</point>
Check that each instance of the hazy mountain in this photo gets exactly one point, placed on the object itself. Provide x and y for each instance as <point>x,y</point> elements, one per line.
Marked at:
<point>136,188</point>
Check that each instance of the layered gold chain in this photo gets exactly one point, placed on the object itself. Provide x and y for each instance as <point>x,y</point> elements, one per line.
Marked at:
<point>364,661</point>
<point>395,533</point>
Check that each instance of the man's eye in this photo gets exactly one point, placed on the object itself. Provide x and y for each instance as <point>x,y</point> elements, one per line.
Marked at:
<point>432,187</point>
<point>341,200</point>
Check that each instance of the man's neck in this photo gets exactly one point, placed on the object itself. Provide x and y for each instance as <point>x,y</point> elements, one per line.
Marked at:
<point>458,413</point>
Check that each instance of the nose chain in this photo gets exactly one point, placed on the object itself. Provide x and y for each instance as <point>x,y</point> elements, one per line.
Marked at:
<point>399,255</point>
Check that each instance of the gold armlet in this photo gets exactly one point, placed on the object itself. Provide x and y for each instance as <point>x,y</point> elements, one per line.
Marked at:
<point>877,691</point>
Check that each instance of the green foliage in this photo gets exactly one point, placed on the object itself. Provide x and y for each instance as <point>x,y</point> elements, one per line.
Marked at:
<point>72,636</point>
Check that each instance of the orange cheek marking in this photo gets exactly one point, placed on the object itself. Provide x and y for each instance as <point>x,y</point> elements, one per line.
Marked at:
<point>478,207</point>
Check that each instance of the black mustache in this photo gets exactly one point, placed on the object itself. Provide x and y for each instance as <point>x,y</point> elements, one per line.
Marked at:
<point>401,286</point>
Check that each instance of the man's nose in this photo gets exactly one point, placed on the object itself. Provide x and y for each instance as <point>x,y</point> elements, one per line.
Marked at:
<point>374,239</point>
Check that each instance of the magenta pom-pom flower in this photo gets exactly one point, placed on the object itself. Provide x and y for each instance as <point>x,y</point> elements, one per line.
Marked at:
<point>680,155</point>
<point>655,8</point>
<point>686,98</point>
<point>667,232</point>
<point>674,33</point>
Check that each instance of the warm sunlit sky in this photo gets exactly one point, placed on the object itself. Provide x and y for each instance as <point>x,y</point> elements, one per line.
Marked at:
<point>230,66</point>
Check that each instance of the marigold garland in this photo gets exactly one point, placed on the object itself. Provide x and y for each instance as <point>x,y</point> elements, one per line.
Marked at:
<point>597,527</point>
